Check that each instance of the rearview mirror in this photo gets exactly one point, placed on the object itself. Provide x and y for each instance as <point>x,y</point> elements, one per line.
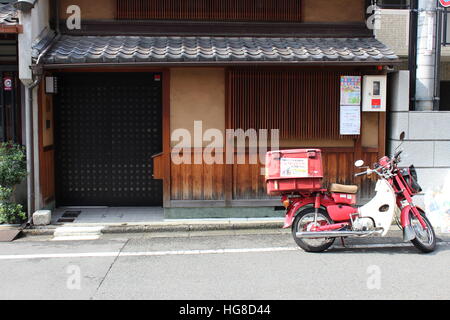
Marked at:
<point>359,163</point>
<point>402,136</point>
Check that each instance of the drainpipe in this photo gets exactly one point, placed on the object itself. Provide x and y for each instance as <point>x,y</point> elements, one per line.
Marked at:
<point>426,56</point>
<point>30,146</point>
<point>412,53</point>
<point>437,64</point>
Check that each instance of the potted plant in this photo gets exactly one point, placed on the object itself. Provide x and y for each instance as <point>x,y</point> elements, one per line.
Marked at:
<point>12,172</point>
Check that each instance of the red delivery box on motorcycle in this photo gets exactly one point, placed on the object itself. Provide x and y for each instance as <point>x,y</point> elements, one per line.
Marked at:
<point>293,170</point>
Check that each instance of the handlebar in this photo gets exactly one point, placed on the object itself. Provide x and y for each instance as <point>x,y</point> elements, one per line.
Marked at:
<point>361,173</point>
<point>397,154</point>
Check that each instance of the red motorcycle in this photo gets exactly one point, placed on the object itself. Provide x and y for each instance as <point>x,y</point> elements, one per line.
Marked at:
<point>318,216</point>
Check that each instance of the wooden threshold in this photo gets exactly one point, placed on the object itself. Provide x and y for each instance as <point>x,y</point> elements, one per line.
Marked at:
<point>222,203</point>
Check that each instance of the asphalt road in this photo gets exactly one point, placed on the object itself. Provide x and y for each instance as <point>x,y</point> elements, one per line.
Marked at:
<point>220,265</point>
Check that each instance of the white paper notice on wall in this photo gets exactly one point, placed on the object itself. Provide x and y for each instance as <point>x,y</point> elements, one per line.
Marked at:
<point>293,167</point>
<point>350,120</point>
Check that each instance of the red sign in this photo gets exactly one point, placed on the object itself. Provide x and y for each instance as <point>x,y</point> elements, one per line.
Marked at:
<point>376,103</point>
<point>7,84</point>
<point>445,3</point>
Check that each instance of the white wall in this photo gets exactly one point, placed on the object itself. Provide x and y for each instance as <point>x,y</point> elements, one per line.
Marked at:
<point>427,142</point>
<point>33,24</point>
<point>394,30</point>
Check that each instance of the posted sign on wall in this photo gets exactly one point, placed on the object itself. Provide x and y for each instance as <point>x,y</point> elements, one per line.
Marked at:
<point>350,106</point>
<point>350,90</point>
<point>350,120</point>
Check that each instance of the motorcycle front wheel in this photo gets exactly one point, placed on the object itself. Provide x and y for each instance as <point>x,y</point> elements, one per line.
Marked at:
<point>425,239</point>
<point>303,222</point>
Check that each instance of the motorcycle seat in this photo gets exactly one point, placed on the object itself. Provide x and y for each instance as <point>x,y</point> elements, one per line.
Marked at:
<point>341,188</point>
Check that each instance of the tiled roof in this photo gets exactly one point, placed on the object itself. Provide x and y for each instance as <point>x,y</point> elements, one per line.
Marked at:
<point>8,14</point>
<point>134,49</point>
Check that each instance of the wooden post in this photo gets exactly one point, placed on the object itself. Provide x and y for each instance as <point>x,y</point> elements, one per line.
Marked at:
<point>166,140</point>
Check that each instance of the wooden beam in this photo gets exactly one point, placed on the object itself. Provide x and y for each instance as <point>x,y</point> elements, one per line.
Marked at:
<point>223,204</point>
<point>18,28</point>
<point>228,174</point>
<point>216,28</point>
<point>166,139</point>
<point>381,134</point>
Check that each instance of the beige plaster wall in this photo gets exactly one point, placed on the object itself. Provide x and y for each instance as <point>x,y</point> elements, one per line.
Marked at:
<point>369,129</point>
<point>197,94</point>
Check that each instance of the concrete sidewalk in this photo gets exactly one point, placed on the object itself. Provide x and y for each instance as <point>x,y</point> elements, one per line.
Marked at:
<point>179,226</point>
<point>168,225</point>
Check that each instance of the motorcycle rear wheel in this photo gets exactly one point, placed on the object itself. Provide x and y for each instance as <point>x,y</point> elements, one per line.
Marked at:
<point>425,239</point>
<point>301,223</point>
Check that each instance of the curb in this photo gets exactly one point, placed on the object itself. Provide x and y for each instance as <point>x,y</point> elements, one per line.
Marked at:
<point>165,227</point>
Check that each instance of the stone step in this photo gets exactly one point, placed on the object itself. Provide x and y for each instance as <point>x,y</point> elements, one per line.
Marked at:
<point>77,233</point>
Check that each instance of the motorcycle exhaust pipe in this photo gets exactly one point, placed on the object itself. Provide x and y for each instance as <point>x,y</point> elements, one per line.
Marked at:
<point>335,234</point>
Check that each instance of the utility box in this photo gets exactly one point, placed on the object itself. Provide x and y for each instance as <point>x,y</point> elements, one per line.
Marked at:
<point>374,93</point>
<point>293,170</point>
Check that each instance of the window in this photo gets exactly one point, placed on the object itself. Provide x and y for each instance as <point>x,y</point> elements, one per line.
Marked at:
<point>446,27</point>
<point>302,104</point>
<point>444,104</point>
<point>212,10</point>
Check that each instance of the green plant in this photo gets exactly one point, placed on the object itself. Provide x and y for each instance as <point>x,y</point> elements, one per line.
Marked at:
<point>12,172</point>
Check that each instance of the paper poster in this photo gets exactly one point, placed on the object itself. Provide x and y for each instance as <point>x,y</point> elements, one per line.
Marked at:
<point>292,167</point>
<point>350,120</point>
<point>351,90</point>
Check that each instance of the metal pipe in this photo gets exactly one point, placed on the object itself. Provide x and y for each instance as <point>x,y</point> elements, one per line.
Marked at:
<point>412,53</point>
<point>426,51</point>
<point>437,63</point>
<point>30,147</point>
<point>335,234</point>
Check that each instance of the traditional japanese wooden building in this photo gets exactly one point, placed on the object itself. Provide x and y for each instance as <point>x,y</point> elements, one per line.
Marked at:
<point>136,71</point>
<point>10,86</point>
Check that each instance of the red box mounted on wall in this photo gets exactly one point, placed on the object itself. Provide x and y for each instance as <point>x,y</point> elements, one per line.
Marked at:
<point>293,170</point>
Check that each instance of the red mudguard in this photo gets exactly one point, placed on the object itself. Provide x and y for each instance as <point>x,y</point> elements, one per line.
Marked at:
<point>290,214</point>
<point>300,203</point>
<point>404,216</point>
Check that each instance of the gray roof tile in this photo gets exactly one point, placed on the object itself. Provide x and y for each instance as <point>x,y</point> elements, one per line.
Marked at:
<point>119,49</point>
<point>8,14</point>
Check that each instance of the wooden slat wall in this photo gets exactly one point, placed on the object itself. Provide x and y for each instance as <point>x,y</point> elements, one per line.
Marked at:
<point>248,183</point>
<point>197,181</point>
<point>224,10</point>
<point>303,105</point>
<point>207,182</point>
